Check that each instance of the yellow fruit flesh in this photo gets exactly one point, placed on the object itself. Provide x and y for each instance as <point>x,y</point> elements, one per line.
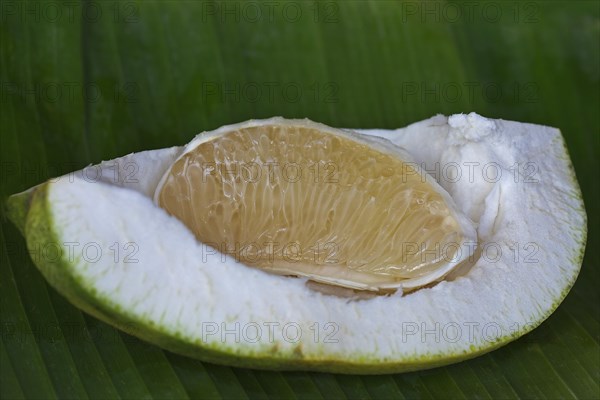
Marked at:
<point>300,201</point>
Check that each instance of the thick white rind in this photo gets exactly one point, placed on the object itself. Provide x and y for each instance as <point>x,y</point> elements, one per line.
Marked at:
<point>181,296</point>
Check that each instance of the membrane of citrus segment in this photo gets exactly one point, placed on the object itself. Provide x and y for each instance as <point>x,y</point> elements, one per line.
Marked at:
<point>302,201</point>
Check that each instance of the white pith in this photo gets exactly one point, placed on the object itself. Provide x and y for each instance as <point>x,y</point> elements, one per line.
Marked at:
<point>182,296</point>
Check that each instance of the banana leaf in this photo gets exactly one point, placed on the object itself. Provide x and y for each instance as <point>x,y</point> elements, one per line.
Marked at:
<point>88,81</point>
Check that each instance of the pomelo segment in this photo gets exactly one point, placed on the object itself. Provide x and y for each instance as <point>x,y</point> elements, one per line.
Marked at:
<point>299,198</point>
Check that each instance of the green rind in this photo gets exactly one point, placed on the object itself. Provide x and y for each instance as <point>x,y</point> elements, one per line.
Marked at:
<point>32,212</point>
<point>17,208</point>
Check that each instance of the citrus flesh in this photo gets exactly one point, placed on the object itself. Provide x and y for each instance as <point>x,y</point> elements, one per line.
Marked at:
<point>299,200</point>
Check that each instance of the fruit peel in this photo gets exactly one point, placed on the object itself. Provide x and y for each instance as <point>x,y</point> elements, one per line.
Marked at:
<point>37,215</point>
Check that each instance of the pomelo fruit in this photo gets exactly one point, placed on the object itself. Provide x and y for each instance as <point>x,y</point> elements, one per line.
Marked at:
<point>447,239</point>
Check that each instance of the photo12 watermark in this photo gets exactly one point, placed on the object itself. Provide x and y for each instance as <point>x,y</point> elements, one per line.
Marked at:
<point>452,172</point>
<point>470,12</point>
<point>64,331</point>
<point>270,172</point>
<point>114,172</point>
<point>469,92</point>
<point>91,252</point>
<point>464,331</point>
<point>255,12</point>
<point>270,332</point>
<point>63,12</point>
<point>69,92</point>
<point>271,92</point>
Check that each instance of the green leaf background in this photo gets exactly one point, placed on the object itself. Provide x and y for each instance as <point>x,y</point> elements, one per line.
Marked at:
<point>90,81</point>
